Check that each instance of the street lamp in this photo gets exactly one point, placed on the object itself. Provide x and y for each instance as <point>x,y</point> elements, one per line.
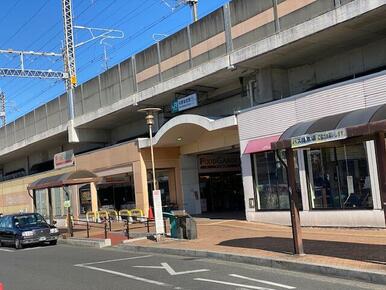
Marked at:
<point>150,122</point>
<point>157,203</point>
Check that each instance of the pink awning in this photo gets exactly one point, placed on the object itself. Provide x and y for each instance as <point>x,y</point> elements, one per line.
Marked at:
<point>261,144</point>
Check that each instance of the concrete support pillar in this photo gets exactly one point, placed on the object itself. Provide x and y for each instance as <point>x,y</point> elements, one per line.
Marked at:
<point>373,171</point>
<point>140,186</point>
<point>380,149</point>
<point>190,184</point>
<point>94,197</point>
<point>246,169</point>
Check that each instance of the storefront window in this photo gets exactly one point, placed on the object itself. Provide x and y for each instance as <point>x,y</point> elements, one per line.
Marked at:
<point>57,194</point>
<point>85,199</point>
<point>116,192</point>
<point>41,198</point>
<point>270,179</point>
<point>163,185</point>
<point>338,177</point>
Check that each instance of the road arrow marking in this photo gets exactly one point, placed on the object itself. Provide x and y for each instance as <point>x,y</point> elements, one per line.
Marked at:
<point>171,271</point>
<point>174,273</point>
<point>263,281</point>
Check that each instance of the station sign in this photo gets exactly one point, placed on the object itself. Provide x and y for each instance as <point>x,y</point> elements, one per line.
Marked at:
<point>319,137</point>
<point>184,103</point>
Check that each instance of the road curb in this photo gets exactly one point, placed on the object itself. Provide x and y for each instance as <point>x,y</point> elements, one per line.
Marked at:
<point>338,272</point>
<point>86,242</point>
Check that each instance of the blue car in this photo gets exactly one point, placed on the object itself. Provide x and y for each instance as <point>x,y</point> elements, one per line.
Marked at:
<point>25,229</point>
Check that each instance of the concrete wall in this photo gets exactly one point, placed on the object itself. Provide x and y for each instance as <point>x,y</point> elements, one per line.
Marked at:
<point>346,64</point>
<point>336,218</point>
<point>339,98</point>
<point>14,195</point>
<point>203,41</point>
<point>190,184</point>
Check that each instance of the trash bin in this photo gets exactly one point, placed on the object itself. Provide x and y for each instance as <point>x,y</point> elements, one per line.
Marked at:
<point>173,224</point>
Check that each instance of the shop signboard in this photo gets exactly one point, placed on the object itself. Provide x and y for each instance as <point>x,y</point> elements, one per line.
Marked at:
<point>159,222</point>
<point>64,159</point>
<point>219,163</point>
<point>319,137</point>
<point>184,103</point>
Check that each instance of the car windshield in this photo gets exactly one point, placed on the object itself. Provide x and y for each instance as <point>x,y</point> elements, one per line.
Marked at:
<point>29,220</point>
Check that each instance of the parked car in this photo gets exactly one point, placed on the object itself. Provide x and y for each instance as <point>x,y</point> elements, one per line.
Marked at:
<point>26,228</point>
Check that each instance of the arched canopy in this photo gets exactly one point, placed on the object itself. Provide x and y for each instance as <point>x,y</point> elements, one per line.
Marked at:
<point>186,129</point>
<point>65,179</point>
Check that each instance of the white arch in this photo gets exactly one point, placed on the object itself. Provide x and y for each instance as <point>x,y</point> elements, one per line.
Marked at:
<point>204,122</point>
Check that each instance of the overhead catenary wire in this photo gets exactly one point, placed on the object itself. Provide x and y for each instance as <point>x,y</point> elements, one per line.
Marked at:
<point>25,23</point>
<point>49,40</point>
<point>132,37</point>
<point>43,91</point>
<point>8,12</point>
<point>123,44</point>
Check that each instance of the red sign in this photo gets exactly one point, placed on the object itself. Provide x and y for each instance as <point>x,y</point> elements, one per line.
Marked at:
<point>64,159</point>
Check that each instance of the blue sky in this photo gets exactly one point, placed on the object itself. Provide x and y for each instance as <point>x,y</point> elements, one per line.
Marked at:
<point>37,25</point>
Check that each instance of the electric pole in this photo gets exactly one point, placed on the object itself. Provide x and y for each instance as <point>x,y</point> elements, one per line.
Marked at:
<point>69,65</point>
<point>2,109</point>
<point>193,5</point>
<point>177,3</point>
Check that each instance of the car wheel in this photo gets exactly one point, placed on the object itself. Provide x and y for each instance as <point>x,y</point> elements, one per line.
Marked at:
<point>18,244</point>
<point>52,243</point>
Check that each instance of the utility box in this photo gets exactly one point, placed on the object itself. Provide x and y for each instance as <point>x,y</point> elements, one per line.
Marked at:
<point>186,227</point>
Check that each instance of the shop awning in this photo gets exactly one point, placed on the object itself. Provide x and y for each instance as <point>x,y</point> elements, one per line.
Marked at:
<point>60,180</point>
<point>356,123</point>
<point>261,144</point>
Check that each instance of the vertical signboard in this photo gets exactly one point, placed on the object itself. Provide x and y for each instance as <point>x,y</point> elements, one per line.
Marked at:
<point>64,159</point>
<point>159,222</point>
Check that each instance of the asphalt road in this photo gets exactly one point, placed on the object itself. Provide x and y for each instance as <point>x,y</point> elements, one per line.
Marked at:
<point>69,267</point>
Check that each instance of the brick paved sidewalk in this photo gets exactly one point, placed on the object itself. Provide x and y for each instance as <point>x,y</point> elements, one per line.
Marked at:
<point>360,249</point>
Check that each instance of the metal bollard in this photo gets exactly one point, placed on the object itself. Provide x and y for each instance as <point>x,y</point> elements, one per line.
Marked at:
<point>110,224</point>
<point>105,230</point>
<point>148,227</point>
<point>127,229</point>
<point>88,229</point>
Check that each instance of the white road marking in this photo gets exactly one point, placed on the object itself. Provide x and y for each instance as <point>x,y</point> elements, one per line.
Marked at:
<point>29,249</point>
<point>149,267</point>
<point>115,260</point>
<point>126,275</point>
<point>232,284</point>
<point>171,271</point>
<point>6,250</point>
<point>174,273</point>
<point>263,281</point>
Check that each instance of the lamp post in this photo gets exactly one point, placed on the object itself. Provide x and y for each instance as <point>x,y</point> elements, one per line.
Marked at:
<point>150,122</point>
<point>157,203</point>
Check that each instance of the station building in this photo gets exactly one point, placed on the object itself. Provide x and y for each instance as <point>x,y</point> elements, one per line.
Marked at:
<point>234,88</point>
